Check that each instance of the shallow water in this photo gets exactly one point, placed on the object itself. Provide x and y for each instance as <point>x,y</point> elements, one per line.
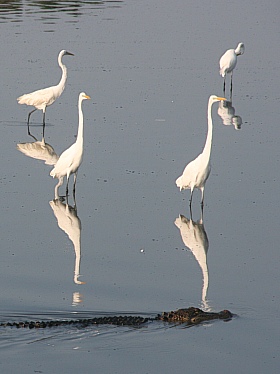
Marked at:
<point>149,68</point>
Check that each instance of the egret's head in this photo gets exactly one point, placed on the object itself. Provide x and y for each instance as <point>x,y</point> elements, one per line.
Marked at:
<point>214,98</point>
<point>240,49</point>
<point>64,52</point>
<point>84,96</point>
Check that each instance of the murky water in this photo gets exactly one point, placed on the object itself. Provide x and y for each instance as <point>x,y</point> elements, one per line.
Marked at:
<point>130,245</point>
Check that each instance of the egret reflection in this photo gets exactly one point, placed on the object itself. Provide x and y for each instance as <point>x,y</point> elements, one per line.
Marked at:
<point>39,150</point>
<point>77,298</point>
<point>195,238</point>
<point>227,113</point>
<point>69,222</point>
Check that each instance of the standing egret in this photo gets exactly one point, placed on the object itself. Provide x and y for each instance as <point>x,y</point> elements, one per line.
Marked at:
<point>197,171</point>
<point>70,160</point>
<point>40,99</point>
<point>228,62</point>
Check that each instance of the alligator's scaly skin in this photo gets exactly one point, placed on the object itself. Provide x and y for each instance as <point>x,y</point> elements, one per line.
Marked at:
<point>190,316</point>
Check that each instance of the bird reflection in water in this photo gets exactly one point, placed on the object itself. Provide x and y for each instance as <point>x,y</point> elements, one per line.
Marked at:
<point>77,298</point>
<point>69,222</point>
<point>39,150</point>
<point>195,238</point>
<point>227,113</point>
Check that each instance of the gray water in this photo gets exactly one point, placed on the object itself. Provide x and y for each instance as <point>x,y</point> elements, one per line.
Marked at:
<point>149,67</point>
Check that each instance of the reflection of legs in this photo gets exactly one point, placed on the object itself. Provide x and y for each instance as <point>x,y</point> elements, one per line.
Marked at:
<point>74,185</point>
<point>202,196</point>
<point>60,182</point>
<point>28,118</point>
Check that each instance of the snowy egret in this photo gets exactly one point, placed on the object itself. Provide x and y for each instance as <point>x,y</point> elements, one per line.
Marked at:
<point>228,62</point>
<point>197,171</point>
<point>40,99</point>
<point>70,160</point>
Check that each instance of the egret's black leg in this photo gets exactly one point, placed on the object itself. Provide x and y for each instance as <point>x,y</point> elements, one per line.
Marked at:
<point>191,198</point>
<point>225,83</point>
<point>44,124</point>
<point>74,184</point>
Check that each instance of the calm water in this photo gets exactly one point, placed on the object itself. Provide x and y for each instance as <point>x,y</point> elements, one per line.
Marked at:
<point>149,68</point>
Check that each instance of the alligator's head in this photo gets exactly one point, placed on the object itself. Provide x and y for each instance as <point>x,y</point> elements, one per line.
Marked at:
<point>193,316</point>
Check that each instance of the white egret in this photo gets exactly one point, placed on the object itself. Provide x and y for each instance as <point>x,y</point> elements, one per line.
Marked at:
<point>197,171</point>
<point>228,62</point>
<point>40,99</point>
<point>70,160</point>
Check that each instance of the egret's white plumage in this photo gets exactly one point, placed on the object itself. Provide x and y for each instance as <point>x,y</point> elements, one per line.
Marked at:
<point>228,62</point>
<point>70,160</point>
<point>40,99</point>
<point>197,171</point>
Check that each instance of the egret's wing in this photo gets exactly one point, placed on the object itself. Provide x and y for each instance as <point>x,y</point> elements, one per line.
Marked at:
<point>45,96</point>
<point>227,61</point>
<point>65,161</point>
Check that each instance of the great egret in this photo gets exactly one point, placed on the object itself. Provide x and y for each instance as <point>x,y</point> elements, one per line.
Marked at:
<point>40,99</point>
<point>197,171</point>
<point>70,160</point>
<point>228,62</point>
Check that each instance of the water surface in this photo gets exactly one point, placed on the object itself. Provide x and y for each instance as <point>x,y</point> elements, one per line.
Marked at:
<point>149,68</point>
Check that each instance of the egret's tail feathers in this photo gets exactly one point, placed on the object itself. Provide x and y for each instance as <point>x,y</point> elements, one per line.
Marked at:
<point>222,72</point>
<point>179,183</point>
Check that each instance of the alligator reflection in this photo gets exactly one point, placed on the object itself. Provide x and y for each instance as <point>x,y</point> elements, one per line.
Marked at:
<point>40,150</point>
<point>227,113</point>
<point>195,238</point>
<point>69,222</point>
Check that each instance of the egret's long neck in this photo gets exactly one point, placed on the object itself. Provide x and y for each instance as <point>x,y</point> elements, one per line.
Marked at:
<point>62,82</point>
<point>208,143</point>
<point>81,124</point>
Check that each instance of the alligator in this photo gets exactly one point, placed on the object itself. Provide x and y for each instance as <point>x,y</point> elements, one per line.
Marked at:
<point>189,316</point>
